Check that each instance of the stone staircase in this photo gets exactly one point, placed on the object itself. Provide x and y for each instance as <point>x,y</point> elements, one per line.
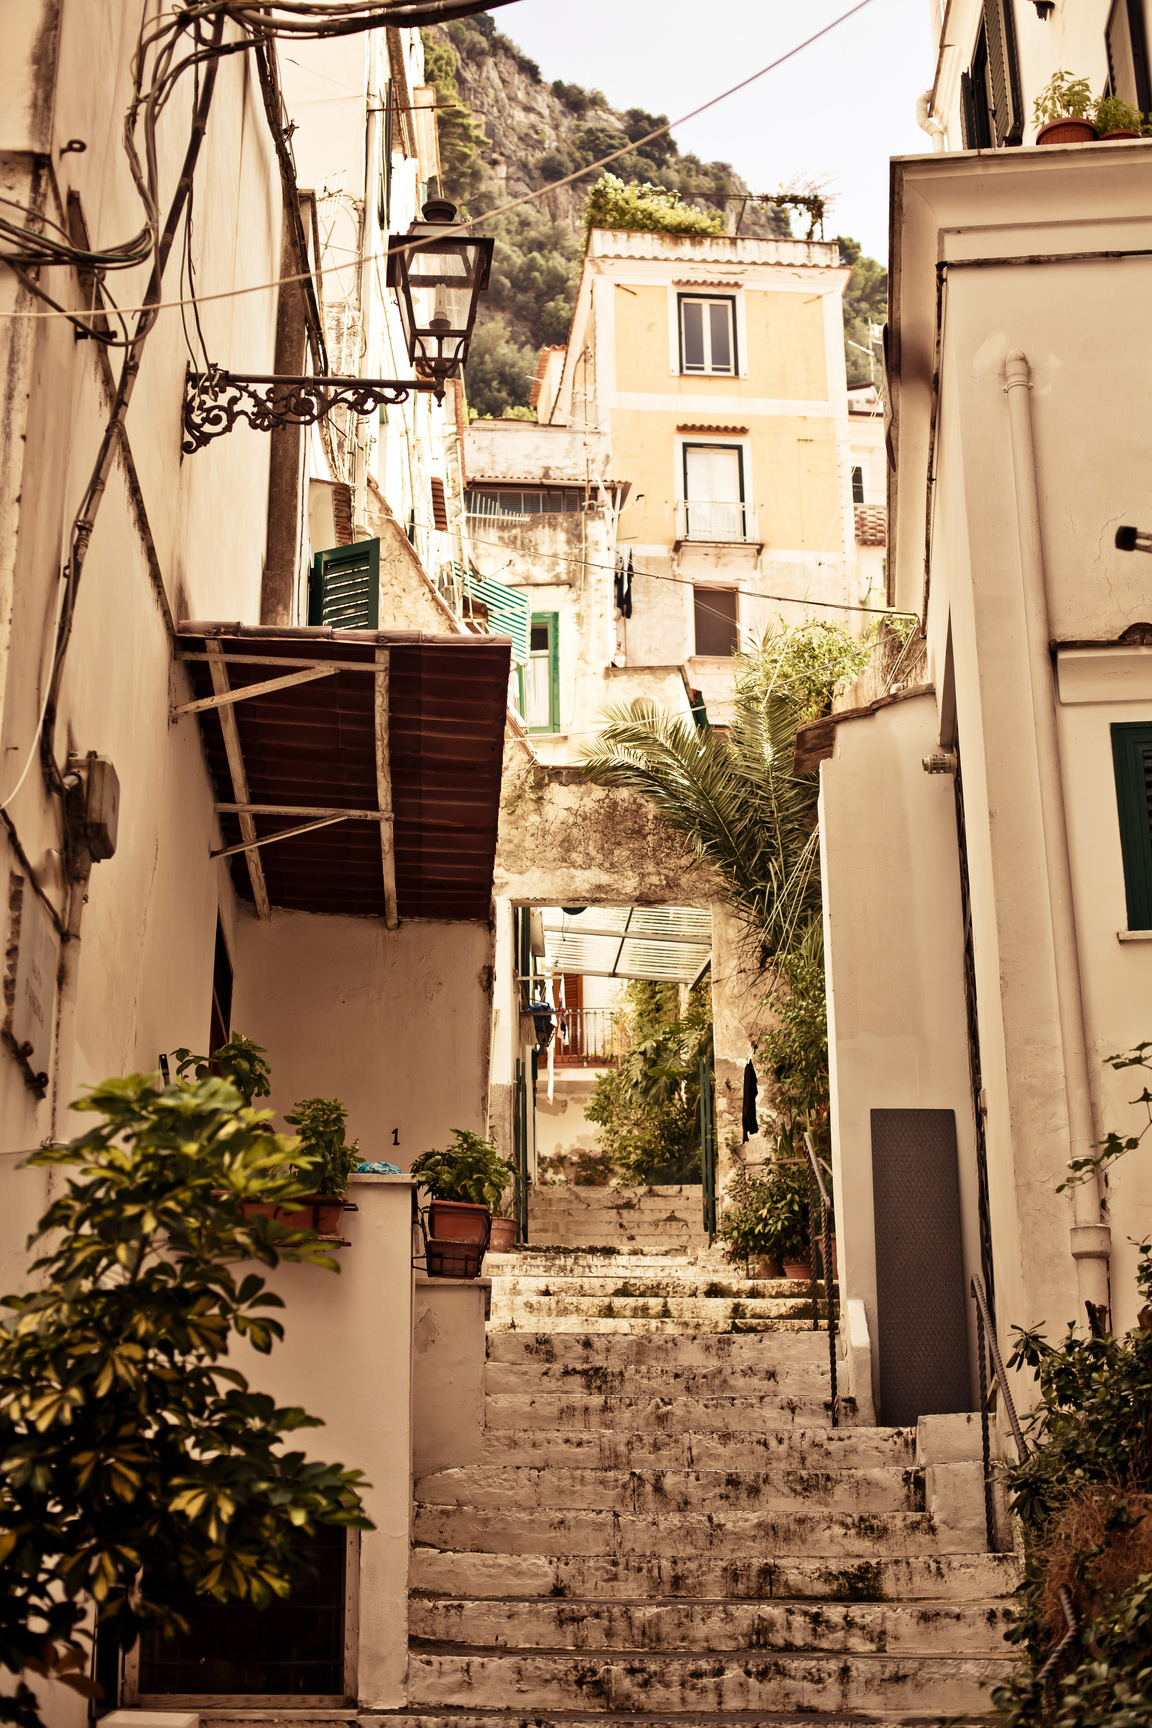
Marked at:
<point>664,1525</point>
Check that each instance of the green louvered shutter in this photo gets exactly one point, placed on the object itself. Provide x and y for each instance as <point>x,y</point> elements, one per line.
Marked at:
<point>1004,71</point>
<point>345,588</point>
<point>1132,760</point>
<point>509,612</point>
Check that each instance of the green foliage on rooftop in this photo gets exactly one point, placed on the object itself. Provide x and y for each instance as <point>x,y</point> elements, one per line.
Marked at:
<point>645,208</point>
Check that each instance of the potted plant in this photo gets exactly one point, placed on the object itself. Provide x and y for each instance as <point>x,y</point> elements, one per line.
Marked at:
<point>1063,111</point>
<point>1116,119</point>
<point>505,1225</point>
<point>466,1182</point>
<point>747,1229</point>
<point>320,1123</point>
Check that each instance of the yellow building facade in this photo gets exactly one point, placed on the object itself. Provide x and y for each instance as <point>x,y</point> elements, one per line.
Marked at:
<point>715,368</point>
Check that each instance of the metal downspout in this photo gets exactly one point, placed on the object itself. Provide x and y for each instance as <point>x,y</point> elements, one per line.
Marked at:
<point>1091,1239</point>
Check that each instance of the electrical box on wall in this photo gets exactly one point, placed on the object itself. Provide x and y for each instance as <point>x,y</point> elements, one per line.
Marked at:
<point>94,803</point>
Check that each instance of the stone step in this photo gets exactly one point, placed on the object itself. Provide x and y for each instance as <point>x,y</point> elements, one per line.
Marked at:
<point>610,1719</point>
<point>548,1195</point>
<point>540,1262</point>
<point>556,1488</point>
<point>892,1628</point>
<point>693,1576</point>
<point>733,1534</point>
<point>651,1287</point>
<point>805,1379</point>
<point>597,1235</point>
<point>687,1310</point>
<point>606,1448</point>
<point>680,1350</point>
<point>721,1325</point>
<point>659,1415</point>
<point>744,1680</point>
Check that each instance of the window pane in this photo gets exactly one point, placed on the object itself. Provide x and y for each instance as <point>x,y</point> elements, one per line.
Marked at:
<point>721,336</point>
<point>692,313</point>
<point>536,685</point>
<point>857,485</point>
<point>715,616</point>
<point>539,643</point>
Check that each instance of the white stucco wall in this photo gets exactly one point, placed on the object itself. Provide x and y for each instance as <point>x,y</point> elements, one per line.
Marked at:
<point>393,1022</point>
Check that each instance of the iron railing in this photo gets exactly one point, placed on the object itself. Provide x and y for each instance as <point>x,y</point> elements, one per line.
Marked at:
<point>721,521</point>
<point>818,1195</point>
<point>590,1038</point>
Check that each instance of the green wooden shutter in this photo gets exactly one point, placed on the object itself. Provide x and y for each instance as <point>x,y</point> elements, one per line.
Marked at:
<point>1132,760</point>
<point>1004,71</point>
<point>509,613</point>
<point>345,587</point>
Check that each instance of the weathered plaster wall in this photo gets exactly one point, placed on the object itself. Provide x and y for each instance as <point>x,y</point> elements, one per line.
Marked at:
<point>394,1023</point>
<point>345,1358</point>
<point>564,841</point>
<point>448,1353</point>
<point>897,1032</point>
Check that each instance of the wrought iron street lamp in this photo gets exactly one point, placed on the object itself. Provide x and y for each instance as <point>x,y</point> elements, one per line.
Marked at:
<point>438,273</point>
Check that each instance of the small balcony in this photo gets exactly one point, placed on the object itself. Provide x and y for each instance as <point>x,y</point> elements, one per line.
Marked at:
<point>716,522</point>
<point>590,1038</point>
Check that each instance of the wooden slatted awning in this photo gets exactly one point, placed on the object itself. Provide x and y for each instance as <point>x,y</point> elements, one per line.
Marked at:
<point>378,752</point>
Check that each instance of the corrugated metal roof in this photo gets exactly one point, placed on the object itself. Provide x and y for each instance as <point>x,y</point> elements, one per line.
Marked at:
<point>670,943</point>
<point>314,746</point>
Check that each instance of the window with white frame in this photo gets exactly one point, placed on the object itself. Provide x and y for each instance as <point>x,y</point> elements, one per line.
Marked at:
<point>708,334</point>
<point>714,507</point>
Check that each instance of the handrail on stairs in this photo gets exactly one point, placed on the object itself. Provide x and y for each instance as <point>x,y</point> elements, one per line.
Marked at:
<point>987,1345</point>
<point>817,1189</point>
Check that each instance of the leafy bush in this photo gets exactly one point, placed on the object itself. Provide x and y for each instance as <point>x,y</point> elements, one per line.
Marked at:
<point>462,141</point>
<point>573,96</point>
<point>1110,114</point>
<point>470,1169</point>
<point>865,304</point>
<point>1062,96</point>
<point>140,1473</point>
<point>766,1215</point>
<point>650,209</point>
<point>497,368</point>
<point>240,1062</point>
<point>321,1123</point>
<point>649,1108</point>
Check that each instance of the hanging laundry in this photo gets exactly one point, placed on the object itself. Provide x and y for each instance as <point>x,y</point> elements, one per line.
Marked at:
<point>626,602</point>
<point>618,581</point>
<point>748,1114</point>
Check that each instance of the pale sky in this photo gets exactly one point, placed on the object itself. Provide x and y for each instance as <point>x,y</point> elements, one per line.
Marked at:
<point>839,109</point>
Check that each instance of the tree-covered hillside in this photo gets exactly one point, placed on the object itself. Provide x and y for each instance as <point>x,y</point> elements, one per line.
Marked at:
<point>507,133</point>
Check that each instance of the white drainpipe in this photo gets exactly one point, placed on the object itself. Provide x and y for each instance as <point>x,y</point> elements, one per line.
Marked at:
<point>1091,1239</point>
<point>928,122</point>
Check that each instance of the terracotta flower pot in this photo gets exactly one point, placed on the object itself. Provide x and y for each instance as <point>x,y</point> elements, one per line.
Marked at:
<point>503,1236</point>
<point>798,1269</point>
<point>319,1212</point>
<point>459,1221</point>
<point>1068,130</point>
<point>1121,132</point>
<point>769,1267</point>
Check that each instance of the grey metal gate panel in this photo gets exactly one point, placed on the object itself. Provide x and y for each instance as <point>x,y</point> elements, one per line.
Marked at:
<point>922,1322</point>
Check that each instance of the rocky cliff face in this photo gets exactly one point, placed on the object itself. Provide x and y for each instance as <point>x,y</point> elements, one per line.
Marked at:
<point>513,134</point>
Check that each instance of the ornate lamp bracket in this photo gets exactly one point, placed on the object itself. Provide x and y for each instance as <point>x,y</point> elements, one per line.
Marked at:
<point>215,401</point>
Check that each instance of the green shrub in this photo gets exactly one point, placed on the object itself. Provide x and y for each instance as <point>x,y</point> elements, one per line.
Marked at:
<point>645,208</point>
<point>649,1107</point>
<point>498,371</point>
<point>321,1123</point>
<point>470,1169</point>
<point>1063,95</point>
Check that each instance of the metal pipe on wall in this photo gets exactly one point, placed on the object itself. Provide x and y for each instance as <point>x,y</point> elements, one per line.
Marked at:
<point>1090,1237</point>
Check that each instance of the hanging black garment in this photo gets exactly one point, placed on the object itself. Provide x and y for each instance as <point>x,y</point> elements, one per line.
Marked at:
<point>626,603</point>
<point>618,581</point>
<point>748,1117</point>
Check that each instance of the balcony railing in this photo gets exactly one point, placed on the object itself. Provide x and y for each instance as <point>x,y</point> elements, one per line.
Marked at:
<point>589,1038</point>
<point>718,520</point>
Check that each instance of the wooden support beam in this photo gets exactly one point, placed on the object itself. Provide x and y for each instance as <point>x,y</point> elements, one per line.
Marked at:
<point>384,788</point>
<point>236,769</point>
<point>271,839</point>
<point>247,690</point>
<point>318,810</point>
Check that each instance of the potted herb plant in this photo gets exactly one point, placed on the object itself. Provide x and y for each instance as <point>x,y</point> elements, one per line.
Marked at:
<point>466,1182</point>
<point>505,1224</point>
<point>320,1124</point>
<point>1116,119</point>
<point>1063,111</point>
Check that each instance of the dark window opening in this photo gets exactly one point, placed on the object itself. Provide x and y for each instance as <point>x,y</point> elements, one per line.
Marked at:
<point>857,485</point>
<point>707,334</point>
<point>1127,48</point>
<point>717,630</point>
<point>524,500</point>
<point>1132,762</point>
<point>976,99</point>
<point>221,1026</point>
<point>293,1649</point>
